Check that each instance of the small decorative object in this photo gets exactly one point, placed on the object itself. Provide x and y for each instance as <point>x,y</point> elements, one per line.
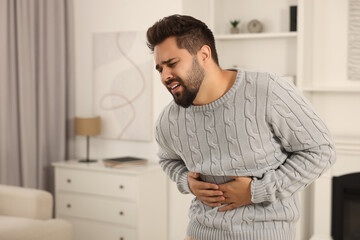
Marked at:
<point>87,127</point>
<point>234,24</point>
<point>293,18</point>
<point>255,26</point>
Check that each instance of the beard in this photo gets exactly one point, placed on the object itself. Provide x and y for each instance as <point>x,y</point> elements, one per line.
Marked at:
<point>194,78</point>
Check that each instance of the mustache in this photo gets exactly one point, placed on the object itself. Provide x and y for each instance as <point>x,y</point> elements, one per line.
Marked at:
<point>175,79</point>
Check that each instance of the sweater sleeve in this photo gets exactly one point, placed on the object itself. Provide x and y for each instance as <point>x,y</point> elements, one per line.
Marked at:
<point>305,138</point>
<point>170,162</point>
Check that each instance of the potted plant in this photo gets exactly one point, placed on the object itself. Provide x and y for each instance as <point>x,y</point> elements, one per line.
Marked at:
<point>234,24</point>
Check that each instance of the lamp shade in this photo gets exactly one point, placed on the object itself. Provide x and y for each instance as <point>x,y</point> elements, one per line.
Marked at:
<point>87,126</point>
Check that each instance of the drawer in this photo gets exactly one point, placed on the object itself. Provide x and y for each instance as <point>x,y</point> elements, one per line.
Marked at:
<point>96,208</point>
<point>123,186</point>
<point>90,230</point>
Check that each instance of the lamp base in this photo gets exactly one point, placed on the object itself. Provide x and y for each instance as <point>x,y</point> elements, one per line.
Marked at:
<point>87,160</point>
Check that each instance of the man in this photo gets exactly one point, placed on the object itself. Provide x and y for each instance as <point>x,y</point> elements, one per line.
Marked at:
<point>243,142</point>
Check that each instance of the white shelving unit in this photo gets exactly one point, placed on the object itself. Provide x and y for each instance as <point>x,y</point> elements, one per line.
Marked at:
<point>304,54</point>
<point>274,49</point>
<point>241,36</point>
<point>331,89</point>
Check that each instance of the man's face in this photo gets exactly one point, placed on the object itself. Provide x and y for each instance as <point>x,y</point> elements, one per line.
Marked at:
<point>180,72</point>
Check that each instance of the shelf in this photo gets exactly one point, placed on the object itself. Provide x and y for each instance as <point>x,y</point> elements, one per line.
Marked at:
<point>255,36</point>
<point>347,146</point>
<point>331,89</point>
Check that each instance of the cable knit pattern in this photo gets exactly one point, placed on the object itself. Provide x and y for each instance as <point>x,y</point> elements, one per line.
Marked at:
<point>263,128</point>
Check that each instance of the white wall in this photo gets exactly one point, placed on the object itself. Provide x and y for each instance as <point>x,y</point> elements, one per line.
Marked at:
<point>92,16</point>
<point>330,43</point>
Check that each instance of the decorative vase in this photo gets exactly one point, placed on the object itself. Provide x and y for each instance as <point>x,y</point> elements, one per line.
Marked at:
<point>234,30</point>
<point>255,26</point>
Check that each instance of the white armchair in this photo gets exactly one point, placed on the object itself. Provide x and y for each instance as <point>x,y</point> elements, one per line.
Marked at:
<point>27,214</point>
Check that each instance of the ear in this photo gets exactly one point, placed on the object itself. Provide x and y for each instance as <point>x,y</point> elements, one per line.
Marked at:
<point>204,54</point>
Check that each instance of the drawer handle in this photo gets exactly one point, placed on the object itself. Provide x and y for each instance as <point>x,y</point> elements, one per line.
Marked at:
<point>121,186</point>
<point>121,238</point>
<point>121,213</point>
<point>68,205</point>
<point>69,180</point>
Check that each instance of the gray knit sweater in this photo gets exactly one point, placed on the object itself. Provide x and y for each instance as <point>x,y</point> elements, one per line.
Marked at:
<point>263,128</point>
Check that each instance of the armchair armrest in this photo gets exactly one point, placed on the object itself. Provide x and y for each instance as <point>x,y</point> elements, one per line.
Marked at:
<point>25,202</point>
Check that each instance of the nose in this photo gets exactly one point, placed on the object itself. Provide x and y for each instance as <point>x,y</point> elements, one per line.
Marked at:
<point>166,75</point>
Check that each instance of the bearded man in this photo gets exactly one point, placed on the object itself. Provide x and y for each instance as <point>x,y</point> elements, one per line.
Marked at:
<point>243,142</point>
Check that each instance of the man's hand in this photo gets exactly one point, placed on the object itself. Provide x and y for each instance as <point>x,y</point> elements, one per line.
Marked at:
<point>237,193</point>
<point>206,192</point>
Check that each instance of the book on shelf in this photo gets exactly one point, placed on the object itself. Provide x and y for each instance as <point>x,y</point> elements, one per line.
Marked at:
<point>120,162</point>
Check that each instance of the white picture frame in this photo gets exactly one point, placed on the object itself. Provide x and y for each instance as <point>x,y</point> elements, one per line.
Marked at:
<point>122,83</point>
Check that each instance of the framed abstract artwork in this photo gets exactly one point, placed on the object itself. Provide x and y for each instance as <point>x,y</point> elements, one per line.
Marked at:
<point>122,83</point>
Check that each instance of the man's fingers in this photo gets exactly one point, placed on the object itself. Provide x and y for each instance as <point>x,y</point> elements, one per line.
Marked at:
<point>194,175</point>
<point>213,199</point>
<point>228,207</point>
<point>210,193</point>
<point>204,185</point>
<point>226,201</point>
<point>210,204</point>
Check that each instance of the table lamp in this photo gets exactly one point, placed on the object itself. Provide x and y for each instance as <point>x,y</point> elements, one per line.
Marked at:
<point>89,126</point>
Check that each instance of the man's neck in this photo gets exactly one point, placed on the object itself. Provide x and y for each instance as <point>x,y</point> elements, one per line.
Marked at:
<point>216,83</point>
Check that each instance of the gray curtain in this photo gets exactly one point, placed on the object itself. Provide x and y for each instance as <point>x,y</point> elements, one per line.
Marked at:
<point>36,90</point>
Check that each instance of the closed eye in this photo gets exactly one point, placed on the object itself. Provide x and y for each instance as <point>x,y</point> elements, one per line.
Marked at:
<point>170,65</point>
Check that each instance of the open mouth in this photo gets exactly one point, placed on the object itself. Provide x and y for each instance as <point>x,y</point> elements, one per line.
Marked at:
<point>174,87</point>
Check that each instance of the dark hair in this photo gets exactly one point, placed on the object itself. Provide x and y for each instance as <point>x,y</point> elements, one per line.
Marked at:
<point>191,34</point>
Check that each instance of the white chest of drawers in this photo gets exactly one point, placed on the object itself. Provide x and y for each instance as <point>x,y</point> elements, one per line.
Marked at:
<point>112,204</point>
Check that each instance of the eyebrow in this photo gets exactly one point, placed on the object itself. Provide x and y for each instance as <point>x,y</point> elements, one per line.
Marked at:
<point>164,62</point>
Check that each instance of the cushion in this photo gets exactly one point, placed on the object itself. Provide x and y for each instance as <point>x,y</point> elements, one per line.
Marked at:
<point>16,228</point>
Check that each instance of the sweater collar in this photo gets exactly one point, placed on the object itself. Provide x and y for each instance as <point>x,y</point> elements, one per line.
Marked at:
<point>224,98</point>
